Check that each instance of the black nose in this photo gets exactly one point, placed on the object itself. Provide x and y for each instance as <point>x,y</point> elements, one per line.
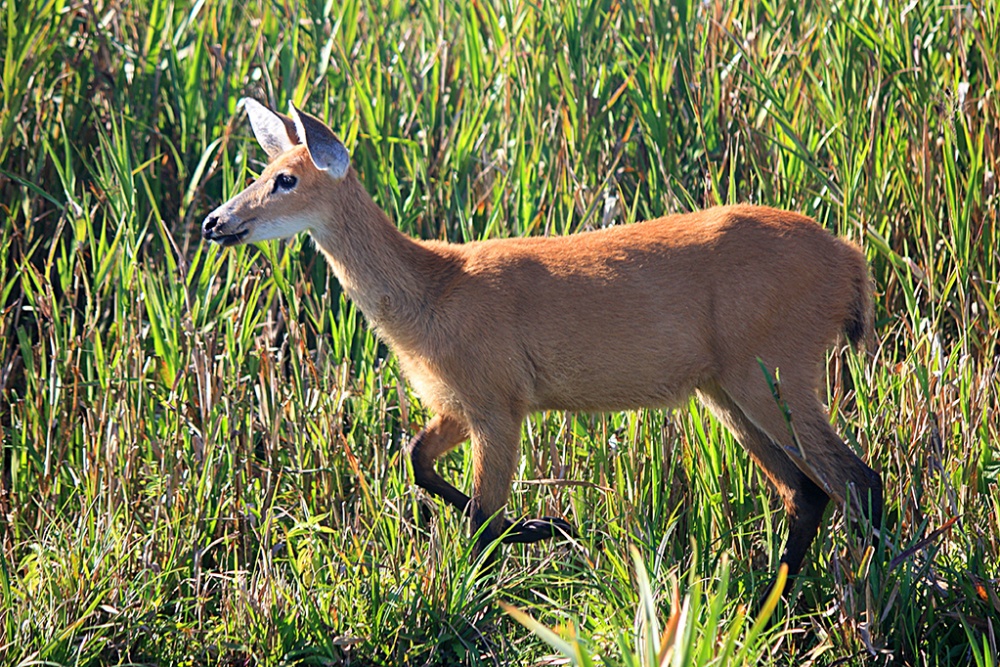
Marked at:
<point>211,222</point>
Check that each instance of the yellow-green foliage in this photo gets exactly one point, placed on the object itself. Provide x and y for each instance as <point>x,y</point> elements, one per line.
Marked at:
<point>201,447</point>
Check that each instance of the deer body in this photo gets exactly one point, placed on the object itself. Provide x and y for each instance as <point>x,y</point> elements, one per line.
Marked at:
<point>638,315</point>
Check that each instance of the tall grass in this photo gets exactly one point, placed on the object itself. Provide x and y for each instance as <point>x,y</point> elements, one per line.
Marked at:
<point>201,448</point>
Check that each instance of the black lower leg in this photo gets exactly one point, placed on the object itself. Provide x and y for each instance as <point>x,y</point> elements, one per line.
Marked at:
<point>521,532</point>
<point>486,536</point>
<point>869,488</point>
<point>536,530</point>
<point>428,479</point>
<point>805,512</point>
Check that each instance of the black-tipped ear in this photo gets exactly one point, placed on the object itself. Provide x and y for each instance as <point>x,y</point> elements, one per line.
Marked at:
<point>326,150</point>
<point>275,132</point>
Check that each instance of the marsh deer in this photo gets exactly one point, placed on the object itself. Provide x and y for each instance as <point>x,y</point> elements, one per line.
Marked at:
<point>636,315</point>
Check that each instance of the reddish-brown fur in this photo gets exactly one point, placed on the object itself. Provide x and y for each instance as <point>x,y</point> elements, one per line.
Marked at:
<point>637,315</point>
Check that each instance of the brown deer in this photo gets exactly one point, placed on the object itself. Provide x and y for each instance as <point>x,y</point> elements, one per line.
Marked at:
<point>636,315</point>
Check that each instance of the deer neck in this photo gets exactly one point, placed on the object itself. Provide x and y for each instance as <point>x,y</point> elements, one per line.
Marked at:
<point>387,274</point>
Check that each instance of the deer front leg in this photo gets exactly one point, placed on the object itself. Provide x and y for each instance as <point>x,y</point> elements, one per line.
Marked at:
<point>441,435</point>
<point>495,453</point>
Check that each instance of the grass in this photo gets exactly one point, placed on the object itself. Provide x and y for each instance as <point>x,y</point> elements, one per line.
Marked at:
<point>201,448</point>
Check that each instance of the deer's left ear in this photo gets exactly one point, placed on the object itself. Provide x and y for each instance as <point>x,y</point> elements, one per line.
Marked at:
<point>325,149</point>
<point>275,132</point>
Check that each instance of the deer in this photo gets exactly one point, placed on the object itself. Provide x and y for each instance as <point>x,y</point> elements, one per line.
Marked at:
<point>736,304</point>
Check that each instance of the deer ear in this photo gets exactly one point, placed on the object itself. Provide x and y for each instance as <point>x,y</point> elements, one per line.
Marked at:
<point>275,132</point>
<point>325,149</point>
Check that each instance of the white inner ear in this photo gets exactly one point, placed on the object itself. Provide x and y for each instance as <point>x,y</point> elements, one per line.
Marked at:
<point>326,151</point>
<point>267,127</point>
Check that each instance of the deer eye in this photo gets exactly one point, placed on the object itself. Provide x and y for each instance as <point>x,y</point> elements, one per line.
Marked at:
<point>284,182</point>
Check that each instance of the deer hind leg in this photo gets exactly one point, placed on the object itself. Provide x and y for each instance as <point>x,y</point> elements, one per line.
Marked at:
<point>810,441</point>
<point>804,501</point>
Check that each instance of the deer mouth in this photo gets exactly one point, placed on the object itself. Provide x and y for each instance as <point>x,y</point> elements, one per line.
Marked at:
<point>211,232</point>
<point>227,240</point>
